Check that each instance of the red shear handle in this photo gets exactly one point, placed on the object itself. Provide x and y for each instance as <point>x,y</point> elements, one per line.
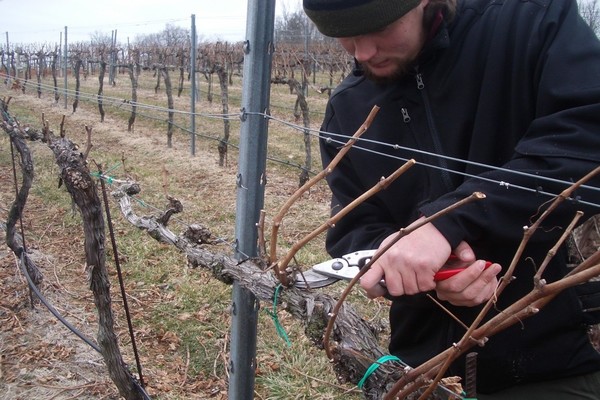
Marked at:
<point>446,273</point>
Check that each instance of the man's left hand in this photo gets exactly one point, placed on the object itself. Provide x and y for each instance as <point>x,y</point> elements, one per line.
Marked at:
<point>471,287</point>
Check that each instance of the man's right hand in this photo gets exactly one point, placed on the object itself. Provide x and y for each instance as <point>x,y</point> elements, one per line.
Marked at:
<point>409,266</point>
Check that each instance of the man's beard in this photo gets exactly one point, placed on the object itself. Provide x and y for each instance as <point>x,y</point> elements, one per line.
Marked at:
<point>401,71</point>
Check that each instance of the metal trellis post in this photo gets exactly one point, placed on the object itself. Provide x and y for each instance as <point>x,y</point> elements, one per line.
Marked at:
<point>193,44</point>
<point>113,57</point>
<point>250,189</point>
<point>62,56</point>
<point>66,53</point>
<point>8,80</point>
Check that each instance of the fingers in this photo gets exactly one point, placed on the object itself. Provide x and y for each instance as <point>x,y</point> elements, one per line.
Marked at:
<point>376,291</point>
<point>397,282</point>
<point>409,265</point>
<point>370,282</point>
<point>473,286</point>
<point>464,252</point>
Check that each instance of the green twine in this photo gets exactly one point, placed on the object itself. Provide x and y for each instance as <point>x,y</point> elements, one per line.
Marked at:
<point>140,201</point>
<point>109,179</point>
<point>374,367</point>
<point>117,165</point>
<point>379,363</point>
<point>280,330</point>
<point>6,116</point>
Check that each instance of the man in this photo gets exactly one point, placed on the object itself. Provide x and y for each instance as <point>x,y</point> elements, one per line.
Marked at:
<point>514,88</point>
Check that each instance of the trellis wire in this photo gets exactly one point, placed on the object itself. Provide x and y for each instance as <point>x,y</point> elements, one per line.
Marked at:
<point>120,103</point>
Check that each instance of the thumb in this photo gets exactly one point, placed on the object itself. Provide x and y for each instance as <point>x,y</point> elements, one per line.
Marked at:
<point>464,252</point>
<point>370,282</point>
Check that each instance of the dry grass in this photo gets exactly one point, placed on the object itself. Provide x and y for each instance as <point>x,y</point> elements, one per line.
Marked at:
<point>181,315</point>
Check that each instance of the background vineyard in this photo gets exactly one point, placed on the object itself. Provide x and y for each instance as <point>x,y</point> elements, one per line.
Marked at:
<point>181,316</point>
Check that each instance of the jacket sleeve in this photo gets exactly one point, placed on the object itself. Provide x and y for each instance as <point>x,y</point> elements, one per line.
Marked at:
<point>562,141</point>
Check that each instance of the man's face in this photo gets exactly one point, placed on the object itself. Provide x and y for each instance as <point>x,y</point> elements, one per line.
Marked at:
<point>388,54</point>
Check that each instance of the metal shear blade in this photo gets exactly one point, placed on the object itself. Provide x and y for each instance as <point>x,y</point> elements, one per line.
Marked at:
<point>345,267</point>
<point>331,271</point>
<point>311,279</point>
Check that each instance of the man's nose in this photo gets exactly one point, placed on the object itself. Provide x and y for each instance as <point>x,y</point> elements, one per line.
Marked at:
<point>364,48</point>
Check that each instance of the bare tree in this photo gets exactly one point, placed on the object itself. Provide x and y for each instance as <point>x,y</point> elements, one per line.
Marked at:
<point>100,39</point>
<point>171,37</point>
<point>590,11</point>
<point>291,27</point>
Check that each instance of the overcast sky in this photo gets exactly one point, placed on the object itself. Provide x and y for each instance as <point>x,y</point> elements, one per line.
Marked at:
<point>42,21</point>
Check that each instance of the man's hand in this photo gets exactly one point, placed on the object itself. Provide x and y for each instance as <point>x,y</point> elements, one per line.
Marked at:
<point>471,287</point>
<point>409,266</point>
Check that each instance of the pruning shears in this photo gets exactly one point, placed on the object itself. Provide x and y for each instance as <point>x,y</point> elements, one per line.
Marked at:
<point>347,266</point>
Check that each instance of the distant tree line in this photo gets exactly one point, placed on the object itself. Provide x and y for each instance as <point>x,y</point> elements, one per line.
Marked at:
<point>590,11</point>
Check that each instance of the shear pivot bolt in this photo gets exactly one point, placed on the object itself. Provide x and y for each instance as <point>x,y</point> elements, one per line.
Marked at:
<point>337,265</point>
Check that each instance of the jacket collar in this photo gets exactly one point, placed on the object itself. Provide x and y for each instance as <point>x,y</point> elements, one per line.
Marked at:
<point>437,39</point>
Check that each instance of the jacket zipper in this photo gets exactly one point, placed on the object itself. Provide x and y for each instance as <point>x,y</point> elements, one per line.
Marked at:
<point>437,144</point>
<point>405,116</point>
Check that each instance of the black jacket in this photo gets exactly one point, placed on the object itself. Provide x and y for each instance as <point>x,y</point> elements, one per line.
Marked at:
<point>514,88</point>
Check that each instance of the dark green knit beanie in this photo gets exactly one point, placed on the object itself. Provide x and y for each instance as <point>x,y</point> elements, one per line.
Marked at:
<point>343,18</point>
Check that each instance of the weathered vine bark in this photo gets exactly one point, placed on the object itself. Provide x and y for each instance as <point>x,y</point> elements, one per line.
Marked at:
<point>101,74</point>
<point>13,65</point>
<point>222,74</point>
<point>54,78</point>
<point>27,71</point>
<point>134,70</point>
<point>112,80</point>
<point>4,65</point>
<point>585,240</point>
<point>303,105</point>
<point>209,94</point>
<point>76,72</point>
<point>300,109</point>
<point>13,240</point>
<point>158,76</point>
<point>182,58</point>
<point>38,72</point>
<point>164,71</point>
<point>82,188</point>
